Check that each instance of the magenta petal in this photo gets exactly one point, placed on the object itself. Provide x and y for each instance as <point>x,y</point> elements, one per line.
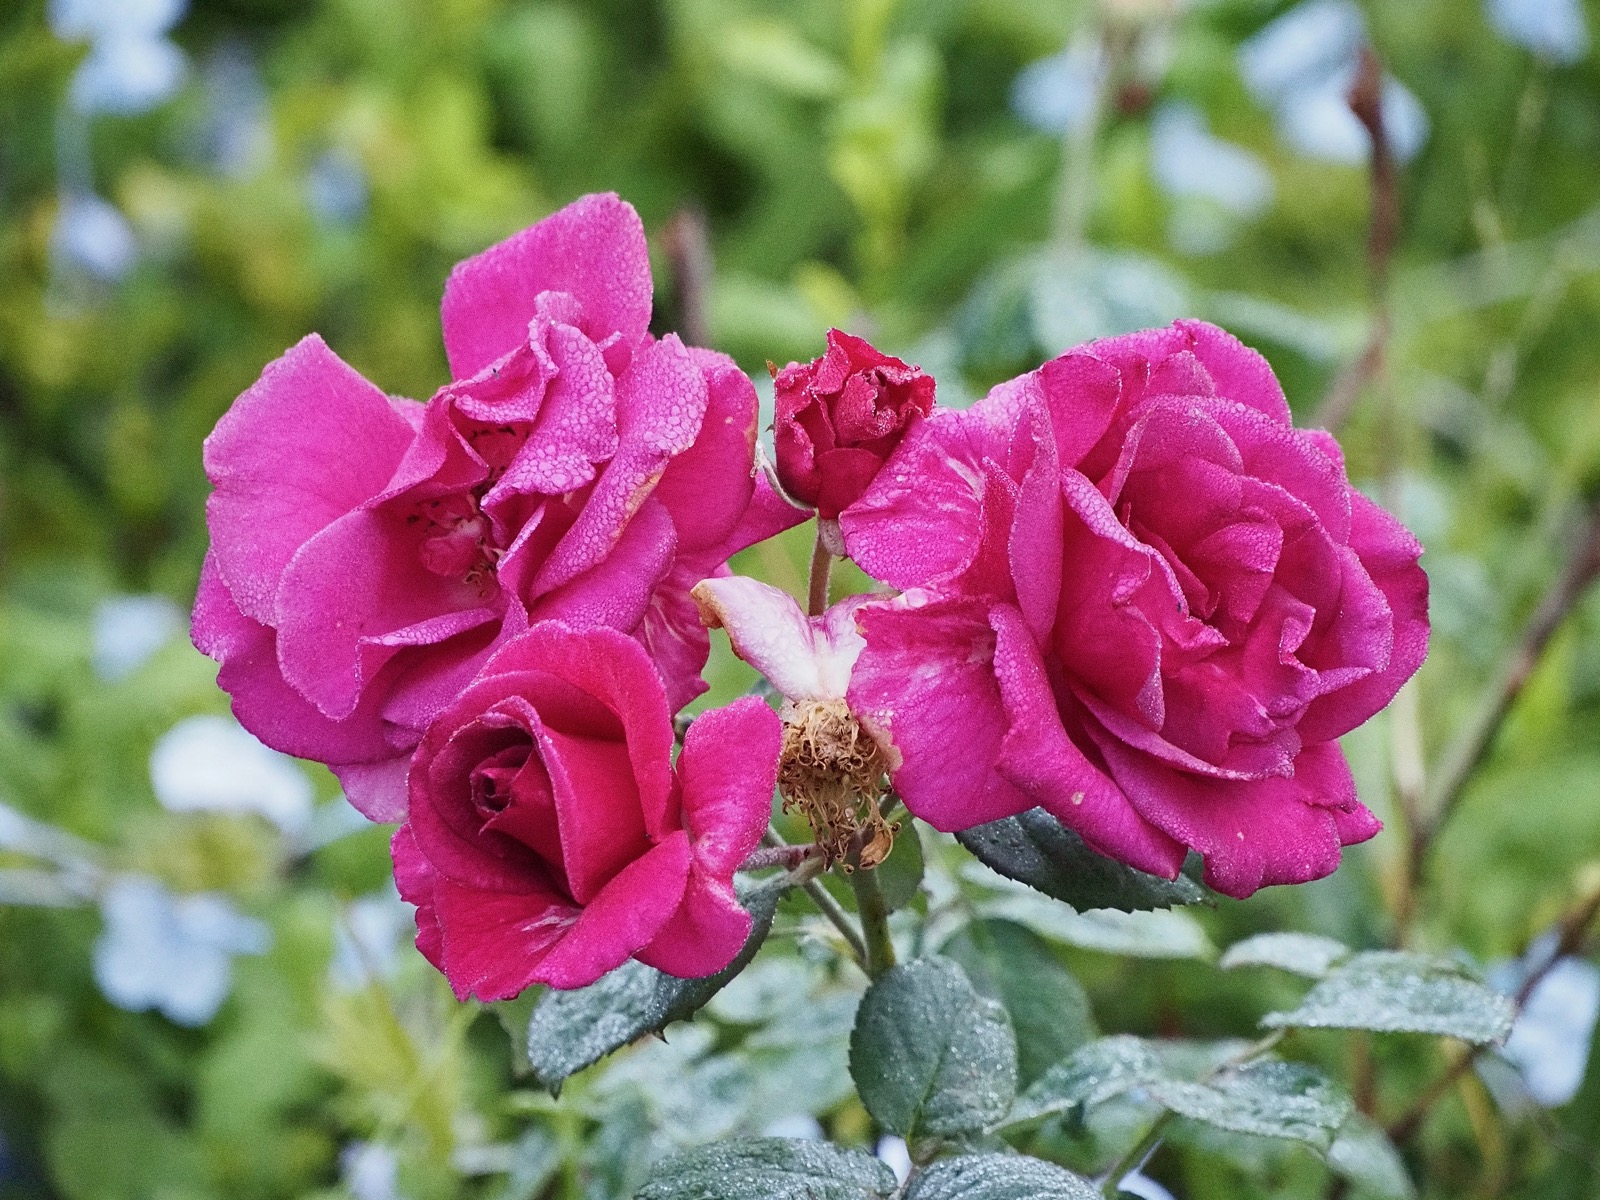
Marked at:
<point>262,701</point>
<point>1252,833</point>
<point>708,487</point>
<point>925,686</point>
<point>415,879</point>
<point>497,943</point>
<point>1239,372</point>
<point>922,518</point>
<point>729,767</point>
<point>624,918</point>
<point>661,402</point>
<point>306,443</point>
<point>768,515</point>
<point>1082,393</point>
<point>1389,554</point>
<point>376,790</point>
<point>593,249</point>
<point>1042,761</point>
<point>671,631</point>
<point>616,671</point>
<point>616,591</point>
<point>704,935</point>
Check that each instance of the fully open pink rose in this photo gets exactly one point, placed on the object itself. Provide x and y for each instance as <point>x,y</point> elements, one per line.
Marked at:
<point>1138,598</point>
<point>550,836</point>
<point>840,416</point>
<point>368,553</point>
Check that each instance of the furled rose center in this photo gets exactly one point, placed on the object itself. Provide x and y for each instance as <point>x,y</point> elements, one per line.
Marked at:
<point>457,539</point>
<point>833,772</point>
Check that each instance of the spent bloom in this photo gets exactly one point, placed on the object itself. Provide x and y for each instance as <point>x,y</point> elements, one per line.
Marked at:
<point>369,553</point>
<point>550,836</point>
<point>1136,596</point>
<point>831,768</point>
<point>839,417</point>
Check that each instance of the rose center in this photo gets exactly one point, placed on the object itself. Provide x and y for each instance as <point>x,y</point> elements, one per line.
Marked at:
<point>833,772</point>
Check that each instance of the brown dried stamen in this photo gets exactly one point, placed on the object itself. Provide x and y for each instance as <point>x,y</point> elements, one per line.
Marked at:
<point>833,772</point>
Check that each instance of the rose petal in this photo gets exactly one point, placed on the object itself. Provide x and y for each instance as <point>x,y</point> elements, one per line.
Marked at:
<point>593,249</point>
<point>729,768</point>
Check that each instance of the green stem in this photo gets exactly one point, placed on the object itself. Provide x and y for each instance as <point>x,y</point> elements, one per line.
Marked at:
<point>828,907</point>
<point>821,568</point>
<point>874,915</point>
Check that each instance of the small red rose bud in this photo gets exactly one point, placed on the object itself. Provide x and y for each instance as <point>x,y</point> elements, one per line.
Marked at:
<point>840,416</point>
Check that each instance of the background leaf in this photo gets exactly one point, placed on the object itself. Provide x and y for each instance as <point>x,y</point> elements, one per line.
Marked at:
<point>998,1177</point>
<point>1394,991</point>
<point>1307,954</point>
<point>770,1169</point>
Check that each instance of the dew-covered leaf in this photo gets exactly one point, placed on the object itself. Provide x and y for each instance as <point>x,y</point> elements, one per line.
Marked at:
<point>998,1177</point>
<point>1048,1007</point>
<point>571,1030</point>
<point>1270,1098</point>
<point>929,1055</point>
<point>1113,1065</point>
<point>1308,954</point>
<point>1396,991</point>
<point>1364,1155</point>
<point>769,1169</point>
<point>1036,849</point>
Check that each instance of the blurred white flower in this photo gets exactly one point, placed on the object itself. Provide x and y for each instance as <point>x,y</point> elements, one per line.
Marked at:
<point>1549,1043</point>
<point>1057,94</point>
<point>236,134</point>
<point>893,1151</point>
<point>370,1171</point>
<point>91,235</point>
<point>131,66</point>
<point>128,630</point>
<point>1188,161</point>
<point>172,953</point>
<point>1301,65</point>
<point>1555,29</point>
<point>94,19</point>
<point>211,764</point>
<point>801,1126</point>
<point>336,188</point>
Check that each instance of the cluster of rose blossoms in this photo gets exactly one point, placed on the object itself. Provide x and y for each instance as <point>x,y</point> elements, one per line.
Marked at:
<point>1122,588</point>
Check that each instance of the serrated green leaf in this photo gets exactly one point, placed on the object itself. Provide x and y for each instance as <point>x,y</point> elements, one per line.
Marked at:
<point>1270,1098</point>
<point>769,1169</point>
<point>1036,849</point>
<point>1164,933</point>
<point>900,875</point>
<point>1307,954</point>
<point>998,1177</point>
<point>1364,1155</point>
<point>1113,1065</point>
<point>1049,1009</point>
<point>1396,991</point>
<point>929,1055</point>
<point>572,1030</point>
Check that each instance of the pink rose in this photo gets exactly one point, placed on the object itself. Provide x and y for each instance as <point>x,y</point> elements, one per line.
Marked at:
<point>1141,600</point>
<point>550,837</point>
<point>840,416</point>
<point>369,553</point>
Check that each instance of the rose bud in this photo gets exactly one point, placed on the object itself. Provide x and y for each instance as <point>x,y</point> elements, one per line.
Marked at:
<point>839,418</point>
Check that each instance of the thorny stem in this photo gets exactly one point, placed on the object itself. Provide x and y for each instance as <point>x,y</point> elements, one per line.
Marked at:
<point>1574,927</point>
<point>874,921</point>
<point>821,568</point>
<point>1145,1146</point>
<point>827,906</point>
<point>1473,743</point>
<point>1365,98</point>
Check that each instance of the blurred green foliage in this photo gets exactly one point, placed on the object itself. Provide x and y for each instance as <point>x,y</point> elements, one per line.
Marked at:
<point>858,163</point>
